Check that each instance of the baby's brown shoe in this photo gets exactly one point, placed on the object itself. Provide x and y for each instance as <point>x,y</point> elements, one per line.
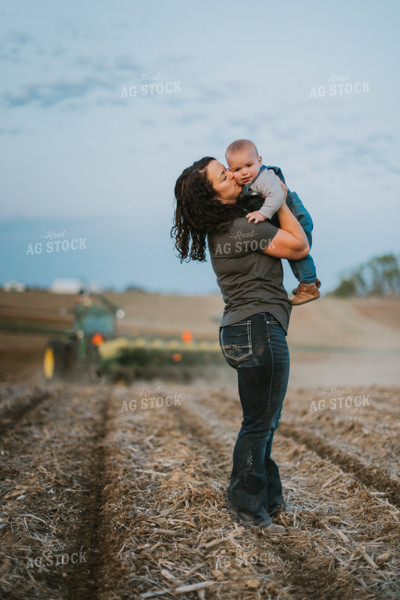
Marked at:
<point>306,292</point>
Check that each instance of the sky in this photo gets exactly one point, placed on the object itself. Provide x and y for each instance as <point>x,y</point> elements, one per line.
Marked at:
<point>103,104</point>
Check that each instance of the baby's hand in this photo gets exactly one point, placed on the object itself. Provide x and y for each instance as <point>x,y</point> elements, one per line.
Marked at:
<point>255,216</point>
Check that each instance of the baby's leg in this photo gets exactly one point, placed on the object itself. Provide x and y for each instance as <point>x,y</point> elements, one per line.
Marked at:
<point>301,214</point>
<point>304,269</point>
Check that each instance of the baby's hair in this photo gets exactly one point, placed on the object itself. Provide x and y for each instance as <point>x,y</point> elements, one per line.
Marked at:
<point>239,145</point>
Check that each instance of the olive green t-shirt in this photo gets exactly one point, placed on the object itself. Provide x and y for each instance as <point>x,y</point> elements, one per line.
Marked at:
<point>250,281</point>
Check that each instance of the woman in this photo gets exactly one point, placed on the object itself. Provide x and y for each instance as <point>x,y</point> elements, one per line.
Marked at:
<point>246,259</point>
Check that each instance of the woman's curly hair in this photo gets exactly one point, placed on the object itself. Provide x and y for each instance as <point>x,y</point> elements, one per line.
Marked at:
<point>198,212</point>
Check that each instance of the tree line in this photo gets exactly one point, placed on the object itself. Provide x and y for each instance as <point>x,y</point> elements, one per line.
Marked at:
<point>380,276</point>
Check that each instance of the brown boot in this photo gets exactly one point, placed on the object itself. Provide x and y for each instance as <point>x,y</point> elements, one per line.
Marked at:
<point>317,283</point>
<point>306,292</point>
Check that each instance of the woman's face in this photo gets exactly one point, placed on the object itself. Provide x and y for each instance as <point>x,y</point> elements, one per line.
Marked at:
<point>223,182</point>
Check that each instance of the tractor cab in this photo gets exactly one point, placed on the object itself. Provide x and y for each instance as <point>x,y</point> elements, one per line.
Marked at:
<point>94,323</point>
<point>94,319</point>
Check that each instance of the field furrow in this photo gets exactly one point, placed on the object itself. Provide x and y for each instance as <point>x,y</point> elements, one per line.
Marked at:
<point>119,492</point>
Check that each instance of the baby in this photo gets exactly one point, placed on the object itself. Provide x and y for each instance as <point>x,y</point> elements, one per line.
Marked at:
<point>258,180</point>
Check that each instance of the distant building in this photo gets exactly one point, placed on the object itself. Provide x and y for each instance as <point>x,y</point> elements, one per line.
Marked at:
<point>14,286</point>
<point>72,286</point>
<point>66,286</point>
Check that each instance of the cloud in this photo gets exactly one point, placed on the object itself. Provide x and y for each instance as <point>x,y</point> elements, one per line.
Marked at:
<point>73,28</point>
<point>46,95</point>
<point>288,133</point>
<point>18,37</point>
<point>239,123</point>
<point>371,154</point>
<point>380,137</point>
<point>148,122</point>
<point>113,73</point>
<point>177,59</point>
<point>126,63</point>
<point>118,65</point>
<point>211,94</point>
<point>14,43</point>
<point>189,118</point>
<point>11,131</point>
<point>39,225</point>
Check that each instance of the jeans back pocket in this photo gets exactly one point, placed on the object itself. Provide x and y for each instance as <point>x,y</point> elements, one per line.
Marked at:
<point>235,342</point>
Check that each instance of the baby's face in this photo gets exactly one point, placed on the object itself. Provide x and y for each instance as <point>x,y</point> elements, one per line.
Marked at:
<point>245,165</point>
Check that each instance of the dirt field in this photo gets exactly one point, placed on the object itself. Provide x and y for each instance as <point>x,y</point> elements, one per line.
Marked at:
<point>118,492</point>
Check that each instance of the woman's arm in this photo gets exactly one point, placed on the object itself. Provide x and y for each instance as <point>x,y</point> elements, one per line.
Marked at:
<point>290,241</point>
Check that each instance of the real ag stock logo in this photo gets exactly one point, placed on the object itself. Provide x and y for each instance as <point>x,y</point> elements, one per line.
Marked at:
<point>56,242</point>
<point>340,85</point>
<point>150,84</point>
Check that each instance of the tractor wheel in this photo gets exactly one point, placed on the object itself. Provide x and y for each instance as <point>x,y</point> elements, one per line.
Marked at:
<point>55,360</point>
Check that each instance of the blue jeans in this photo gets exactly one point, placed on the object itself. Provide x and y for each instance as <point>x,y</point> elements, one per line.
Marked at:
<point>256,347</point>
<point>303,269</point>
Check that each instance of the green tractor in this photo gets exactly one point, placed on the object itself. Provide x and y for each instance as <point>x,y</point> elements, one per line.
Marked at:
<point>94,350</point>
<point>78,353</point>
